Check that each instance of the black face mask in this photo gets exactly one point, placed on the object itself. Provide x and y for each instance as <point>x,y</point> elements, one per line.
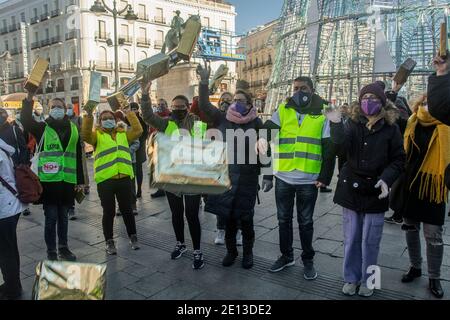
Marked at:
<point>179,114</point>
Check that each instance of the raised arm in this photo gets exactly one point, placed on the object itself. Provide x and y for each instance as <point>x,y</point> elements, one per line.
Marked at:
<point>212,113</point>
<point>149,116</point>
<point>87,134</point>
<point>28,122</point>
<point>136,130</point>
<point>439,90</point>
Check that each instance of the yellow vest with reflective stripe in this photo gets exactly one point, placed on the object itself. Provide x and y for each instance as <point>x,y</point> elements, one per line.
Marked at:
<point>112,157</point>
<point>298,147</point>
<point>198,129</point>
<point>56,164</point>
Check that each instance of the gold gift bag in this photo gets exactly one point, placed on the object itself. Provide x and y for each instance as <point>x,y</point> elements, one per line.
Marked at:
<point>185,165</point>
<point>189,39</point>
<point>37,74</point>
<point>64,280</point>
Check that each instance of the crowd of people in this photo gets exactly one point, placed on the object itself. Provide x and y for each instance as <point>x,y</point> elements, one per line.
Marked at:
<point>389,155</point>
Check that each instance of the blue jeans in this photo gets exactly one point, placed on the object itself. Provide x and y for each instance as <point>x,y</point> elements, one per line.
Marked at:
<point>56,218</point>
<point>362,237</point>
<point>306,200</point>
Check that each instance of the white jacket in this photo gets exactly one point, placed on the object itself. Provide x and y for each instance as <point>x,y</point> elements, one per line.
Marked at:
<point>10,205</point>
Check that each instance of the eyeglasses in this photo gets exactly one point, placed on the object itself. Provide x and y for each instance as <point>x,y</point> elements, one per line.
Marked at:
<point>240,100</point>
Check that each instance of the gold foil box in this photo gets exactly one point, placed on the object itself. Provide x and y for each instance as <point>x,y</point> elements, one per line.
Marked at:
<point>117,101</point>
<point>443,40</point>
<point>188,39</point>
<point>91,90</point>
<point>37,74</point>
<point>404,71</point>
<point>153,67</point>
<point>63,280</point>
<point>188,166</point>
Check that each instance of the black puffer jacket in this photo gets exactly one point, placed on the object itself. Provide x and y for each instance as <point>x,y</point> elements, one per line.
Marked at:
<point>438,97</point>
<point>371,155</point>
<point>240,199</point>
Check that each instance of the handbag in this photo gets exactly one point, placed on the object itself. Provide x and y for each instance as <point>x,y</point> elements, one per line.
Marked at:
<point>35,159</point>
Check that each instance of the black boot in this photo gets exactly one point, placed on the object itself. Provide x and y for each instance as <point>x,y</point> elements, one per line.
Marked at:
<point>247,260</point>
<point>411,275</point>
<point>232,252</point>
<point>436,288</point>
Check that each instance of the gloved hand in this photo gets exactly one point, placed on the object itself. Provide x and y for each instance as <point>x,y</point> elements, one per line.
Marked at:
<point>261,146</point>
<point>384,189</point>
<point>267,185</point>
<point>333,115</point>
<point>204,72</point>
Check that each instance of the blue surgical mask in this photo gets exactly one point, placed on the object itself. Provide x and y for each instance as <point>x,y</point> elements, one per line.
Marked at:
<point>109,124</point>
<point>69,112</point>
<point>302,99</point>
<point>57,113</point>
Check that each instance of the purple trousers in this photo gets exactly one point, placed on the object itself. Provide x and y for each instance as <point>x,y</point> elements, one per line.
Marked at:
<point>362,237</point>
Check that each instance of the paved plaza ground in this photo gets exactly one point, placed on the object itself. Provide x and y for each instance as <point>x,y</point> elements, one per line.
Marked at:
<point>149,273</point>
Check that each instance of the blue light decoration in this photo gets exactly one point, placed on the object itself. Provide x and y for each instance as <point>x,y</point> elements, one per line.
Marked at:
<point>217,45</point>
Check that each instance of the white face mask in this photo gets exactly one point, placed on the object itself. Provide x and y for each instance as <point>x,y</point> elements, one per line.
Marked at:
<point>57,113</point>
<point>69,112</point>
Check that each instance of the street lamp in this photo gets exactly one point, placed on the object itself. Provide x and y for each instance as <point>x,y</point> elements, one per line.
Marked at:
<point>99,7</point>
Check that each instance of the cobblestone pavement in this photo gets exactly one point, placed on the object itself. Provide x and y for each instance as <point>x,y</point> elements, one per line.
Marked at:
<point>149,273</point>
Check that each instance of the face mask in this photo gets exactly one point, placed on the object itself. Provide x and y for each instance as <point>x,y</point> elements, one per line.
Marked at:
<point>371,107</point>
<point>57,113</point>
<point>240,107</point>
<point>179,114</point>
<point>302,99</point>
<point>69,112</point>
<point>109,124</point>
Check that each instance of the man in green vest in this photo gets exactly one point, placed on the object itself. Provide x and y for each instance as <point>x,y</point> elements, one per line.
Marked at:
<point>301,165</point>
<point>60,171</point>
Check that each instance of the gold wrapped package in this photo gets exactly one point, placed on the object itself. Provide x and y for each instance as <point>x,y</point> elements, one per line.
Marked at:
<point>404,71</point>
<point>443,47</point>
<point>91,90</point>
<point>184,165</point>
<point>117,101</point>
<point>63,280</point>
<point>37,74</point>
<point>154,67</point>
<point>189,38</point>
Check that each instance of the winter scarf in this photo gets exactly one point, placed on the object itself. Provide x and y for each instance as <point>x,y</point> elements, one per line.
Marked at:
<point>236,117</point>
<point>431,172</point>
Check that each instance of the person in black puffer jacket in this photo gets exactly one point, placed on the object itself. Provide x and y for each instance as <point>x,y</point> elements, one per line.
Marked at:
<point>237,204</point>
<point>375,159</point>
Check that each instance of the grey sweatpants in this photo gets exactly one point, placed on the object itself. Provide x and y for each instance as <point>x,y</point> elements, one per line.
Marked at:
<point>434,249</point>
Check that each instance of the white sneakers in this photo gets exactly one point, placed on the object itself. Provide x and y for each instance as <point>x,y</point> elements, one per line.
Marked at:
<point>220,238</point>
<point>349,289</point>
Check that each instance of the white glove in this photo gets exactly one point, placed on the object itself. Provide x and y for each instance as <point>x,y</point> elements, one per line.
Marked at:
<point>261,146</point>
<point>384,189</point>
<point>333,114</point>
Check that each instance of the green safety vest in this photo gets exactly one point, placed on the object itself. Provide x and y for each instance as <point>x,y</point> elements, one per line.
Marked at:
<point>298,147</point>
<point>56,164</point>
<point>198,130</point>
<point>112,157</point>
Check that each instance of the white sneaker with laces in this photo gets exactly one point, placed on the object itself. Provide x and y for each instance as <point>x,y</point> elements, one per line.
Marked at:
<point>364,291</point>
<point>349,289</point>
<point>220,238</point>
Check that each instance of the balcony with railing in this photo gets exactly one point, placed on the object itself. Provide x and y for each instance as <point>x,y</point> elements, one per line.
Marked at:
<point>60,88</point>
<point>3,30</point>
<point>143,16</point>
<point>102,36</point>
<point>143,42</point>
<point>15,51</point>
<point>35,45</point>
<point>16,75</point>
<point>74,86</point>
<point>45,16</point>
<point>56,67</point>
<point>72,64</point>
<point>49,89</point>
<point>125,39</point>
<point>45,42</point>
<point>55,13</point>
<point>14,27</point>
<point>158,44</point>
<point>74,34</point>
<point>34,20</point>
<point>56,39</point>
<point>103,65</point>
<point>160,20</point>
<point>126,67</point>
